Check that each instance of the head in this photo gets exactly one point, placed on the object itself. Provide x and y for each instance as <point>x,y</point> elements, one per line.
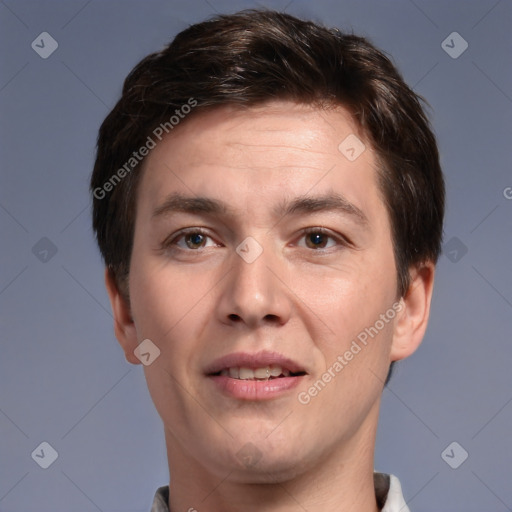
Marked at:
<point>261,125</point>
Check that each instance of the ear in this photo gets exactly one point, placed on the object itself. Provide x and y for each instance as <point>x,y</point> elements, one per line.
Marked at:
<point>124,327</point>
<point>411,322</point>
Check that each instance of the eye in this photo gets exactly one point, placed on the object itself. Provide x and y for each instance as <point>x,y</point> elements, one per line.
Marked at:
<point>192,238</point>
<point>318,238</point>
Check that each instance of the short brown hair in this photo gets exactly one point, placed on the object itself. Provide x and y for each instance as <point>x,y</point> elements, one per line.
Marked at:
<point>256,56</point>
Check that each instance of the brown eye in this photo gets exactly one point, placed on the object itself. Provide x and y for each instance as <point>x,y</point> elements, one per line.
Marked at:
<point>194,240</point>
<point>316,240</point>
<point>319,238</point>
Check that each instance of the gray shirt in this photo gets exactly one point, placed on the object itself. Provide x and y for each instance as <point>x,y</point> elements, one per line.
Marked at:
<point>388,492</point>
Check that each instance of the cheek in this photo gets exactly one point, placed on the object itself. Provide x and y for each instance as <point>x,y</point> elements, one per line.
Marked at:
<point>159,296</point>
<point>356,365</point>
<point>349,298</point>
<point>149,297</point>
<point>167,312</point>
<point>165,307</point>
<point>171,307</point>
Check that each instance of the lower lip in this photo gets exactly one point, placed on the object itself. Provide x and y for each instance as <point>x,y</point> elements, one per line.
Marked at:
<point>255,389</point>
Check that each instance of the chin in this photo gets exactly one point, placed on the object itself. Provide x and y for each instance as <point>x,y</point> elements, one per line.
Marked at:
<point>265,461</point>
<point>269,469</point>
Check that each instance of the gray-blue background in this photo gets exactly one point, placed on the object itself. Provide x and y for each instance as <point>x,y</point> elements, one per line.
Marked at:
<point>63,377</point>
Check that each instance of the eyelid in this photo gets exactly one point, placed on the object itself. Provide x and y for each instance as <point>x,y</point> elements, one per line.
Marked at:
<point>341,239</point>
<point>174,237</point>
<point>171,239</point>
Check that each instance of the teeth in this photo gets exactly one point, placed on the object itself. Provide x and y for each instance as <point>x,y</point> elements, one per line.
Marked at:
<point>246,373</point>
<point>275,371</point>
<point>263,373</point>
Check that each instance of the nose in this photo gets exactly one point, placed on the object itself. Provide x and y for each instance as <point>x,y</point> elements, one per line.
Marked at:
<point>254,292</point>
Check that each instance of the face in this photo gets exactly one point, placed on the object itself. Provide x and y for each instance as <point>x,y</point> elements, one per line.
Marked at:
<point>261,250</point>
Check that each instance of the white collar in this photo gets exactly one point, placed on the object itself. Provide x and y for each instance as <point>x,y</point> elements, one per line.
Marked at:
<point>395,501</point>
<point>387,489</point>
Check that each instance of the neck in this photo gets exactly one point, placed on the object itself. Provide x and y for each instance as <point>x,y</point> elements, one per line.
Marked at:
<point>341,480</point>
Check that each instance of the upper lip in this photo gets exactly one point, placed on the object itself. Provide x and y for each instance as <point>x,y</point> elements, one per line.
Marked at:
<point>257,360</point>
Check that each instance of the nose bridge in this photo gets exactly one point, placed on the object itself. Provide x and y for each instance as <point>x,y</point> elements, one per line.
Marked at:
<point>253,294</point>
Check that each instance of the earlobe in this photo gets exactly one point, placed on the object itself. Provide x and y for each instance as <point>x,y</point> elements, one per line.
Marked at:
<point>411,323</point>
<point>124,327</point>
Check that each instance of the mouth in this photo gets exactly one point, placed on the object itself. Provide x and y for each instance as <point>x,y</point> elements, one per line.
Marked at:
<point>262,376</point>
<point>264,365</point>
<point>262,373</point>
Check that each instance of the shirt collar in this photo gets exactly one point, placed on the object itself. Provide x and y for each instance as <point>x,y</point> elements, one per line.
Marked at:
<point>387,490</point>
<point>393,498</point>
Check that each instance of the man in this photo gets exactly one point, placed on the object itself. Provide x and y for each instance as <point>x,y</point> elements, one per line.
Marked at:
<point>268,201</point>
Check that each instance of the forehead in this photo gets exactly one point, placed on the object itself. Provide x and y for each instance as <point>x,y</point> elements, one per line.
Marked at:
<point>270,150</point>
<point>280,131</point>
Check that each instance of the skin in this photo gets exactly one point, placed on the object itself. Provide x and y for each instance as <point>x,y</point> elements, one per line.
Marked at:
<point>197,303</point>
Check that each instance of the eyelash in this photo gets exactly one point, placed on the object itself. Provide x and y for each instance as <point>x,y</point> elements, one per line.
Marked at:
<point>173,239</point>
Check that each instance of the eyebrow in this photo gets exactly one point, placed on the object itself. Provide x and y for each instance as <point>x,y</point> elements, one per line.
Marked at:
<point>177,202</point>
<point>327,202</point>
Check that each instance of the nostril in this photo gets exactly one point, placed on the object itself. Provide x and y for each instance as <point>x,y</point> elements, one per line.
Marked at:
<point>233,317</point>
